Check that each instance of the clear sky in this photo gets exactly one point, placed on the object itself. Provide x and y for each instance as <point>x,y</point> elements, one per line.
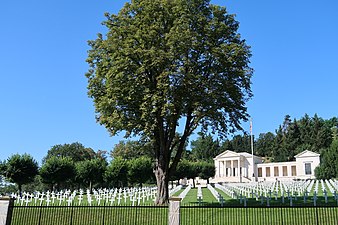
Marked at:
<point>43,47</point>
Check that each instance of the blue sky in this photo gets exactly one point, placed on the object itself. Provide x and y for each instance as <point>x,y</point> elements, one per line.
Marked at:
<point>43,47</point>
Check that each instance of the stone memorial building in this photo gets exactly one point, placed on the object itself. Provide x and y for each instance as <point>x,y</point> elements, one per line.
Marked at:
<point>240,167</point>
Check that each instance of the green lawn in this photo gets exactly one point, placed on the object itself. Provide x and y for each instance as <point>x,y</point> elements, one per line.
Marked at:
<point>209,212</point>
<point>190,215</point>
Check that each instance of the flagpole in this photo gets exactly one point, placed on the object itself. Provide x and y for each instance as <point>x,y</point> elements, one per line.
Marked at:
<point>252,151</point>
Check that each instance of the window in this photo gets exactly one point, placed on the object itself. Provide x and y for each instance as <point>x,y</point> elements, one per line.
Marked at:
<point>285,171</point>
<point>293,171</point>
<point>267,170</point>
<point>276,171</point>
<point>308,168</point>
<point>259,172</point>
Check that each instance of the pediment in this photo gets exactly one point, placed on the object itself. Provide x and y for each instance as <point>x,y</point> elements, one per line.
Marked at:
<point>307,153</point>
<point>227,154</point>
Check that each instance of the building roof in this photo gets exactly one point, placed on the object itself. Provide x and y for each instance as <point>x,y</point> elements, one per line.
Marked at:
<point>307,153</point>
<point>229,153</point>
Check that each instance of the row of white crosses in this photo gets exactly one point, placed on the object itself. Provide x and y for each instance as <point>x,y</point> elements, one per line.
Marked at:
<point>134,195</point>
<point>48,197</point>
<point>226,189</point>
<point>217,195</point>
<point>288,190</point>
<point>175,189</point>
<point>199,194</point>
<point>184,192</point>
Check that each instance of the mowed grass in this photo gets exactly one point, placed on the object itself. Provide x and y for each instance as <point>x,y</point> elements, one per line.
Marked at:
<point>209,212</point>
<point>190,215</point>
<point>191,197</point>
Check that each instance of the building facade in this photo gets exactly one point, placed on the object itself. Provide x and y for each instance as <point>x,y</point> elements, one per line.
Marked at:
<point>242,167</point>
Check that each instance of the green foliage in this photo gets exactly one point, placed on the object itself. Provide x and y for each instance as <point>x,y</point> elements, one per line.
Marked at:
<point>2,168</point>
<point>76,151</point>
<point>205,148</point>
<point>116,173</point>
<point>57,171</point>
<point>8,189</point>
<point>36,185</point>
<point>162,62</point>
<point>184,170</point>
<point>264,144</point>
<point>20,169</point>
<point>241,143</point>
<point>293,137</point>
<point>90,172</point>
<point>140,170</point>
<point>206,170</point>
<point>192,169</point>
<point>329,162</point>
<point>132,149</point>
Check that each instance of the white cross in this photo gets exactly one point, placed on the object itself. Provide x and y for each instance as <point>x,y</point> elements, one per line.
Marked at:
<point>70,200</point>
<point>48,201</point>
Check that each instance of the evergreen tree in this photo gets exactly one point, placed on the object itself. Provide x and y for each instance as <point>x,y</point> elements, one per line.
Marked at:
<point>264,144</point>
<point>205,148</point>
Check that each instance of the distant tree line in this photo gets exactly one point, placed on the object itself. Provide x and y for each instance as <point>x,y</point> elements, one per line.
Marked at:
<point>75,166</point>
<point>290,138</point>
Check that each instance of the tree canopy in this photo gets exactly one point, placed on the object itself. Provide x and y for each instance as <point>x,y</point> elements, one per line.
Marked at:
<point>20,169</point>
<point>90,172</point>
<point>76,151</point>
<point>166,62</point>
<point>205,148</point>
<point>116,174</point>
<point>57,170</point>
<point>131,149</point>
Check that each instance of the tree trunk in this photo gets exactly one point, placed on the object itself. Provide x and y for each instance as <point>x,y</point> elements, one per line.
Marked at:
<point>162,196</point>
<point>20,189</point>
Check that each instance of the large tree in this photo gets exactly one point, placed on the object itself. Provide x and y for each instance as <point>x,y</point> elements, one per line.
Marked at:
<point>76,151</point>
<point>90,172</point>
<point>140,170</point>
<point>165,64</point>
<point>20,169</point>
<point>116,174</point>
<point>56,171</point>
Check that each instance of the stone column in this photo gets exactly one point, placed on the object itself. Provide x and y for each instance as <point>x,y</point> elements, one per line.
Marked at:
<point>231,168</point>
<point>5,211</point>
<point>239,174</point>
<point>225,168</point>
<point>174,210</point>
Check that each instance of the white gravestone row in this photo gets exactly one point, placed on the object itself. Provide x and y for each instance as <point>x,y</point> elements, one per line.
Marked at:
<point>99,197</point>
<point>199,194</point>
<point>185,192</point>
<point>217,195</point>
<point>175,189</point>
<point>286,190</point>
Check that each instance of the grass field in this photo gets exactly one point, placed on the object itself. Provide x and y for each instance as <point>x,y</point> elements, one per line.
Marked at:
<point>206,215</point>
<point>209,212</point>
